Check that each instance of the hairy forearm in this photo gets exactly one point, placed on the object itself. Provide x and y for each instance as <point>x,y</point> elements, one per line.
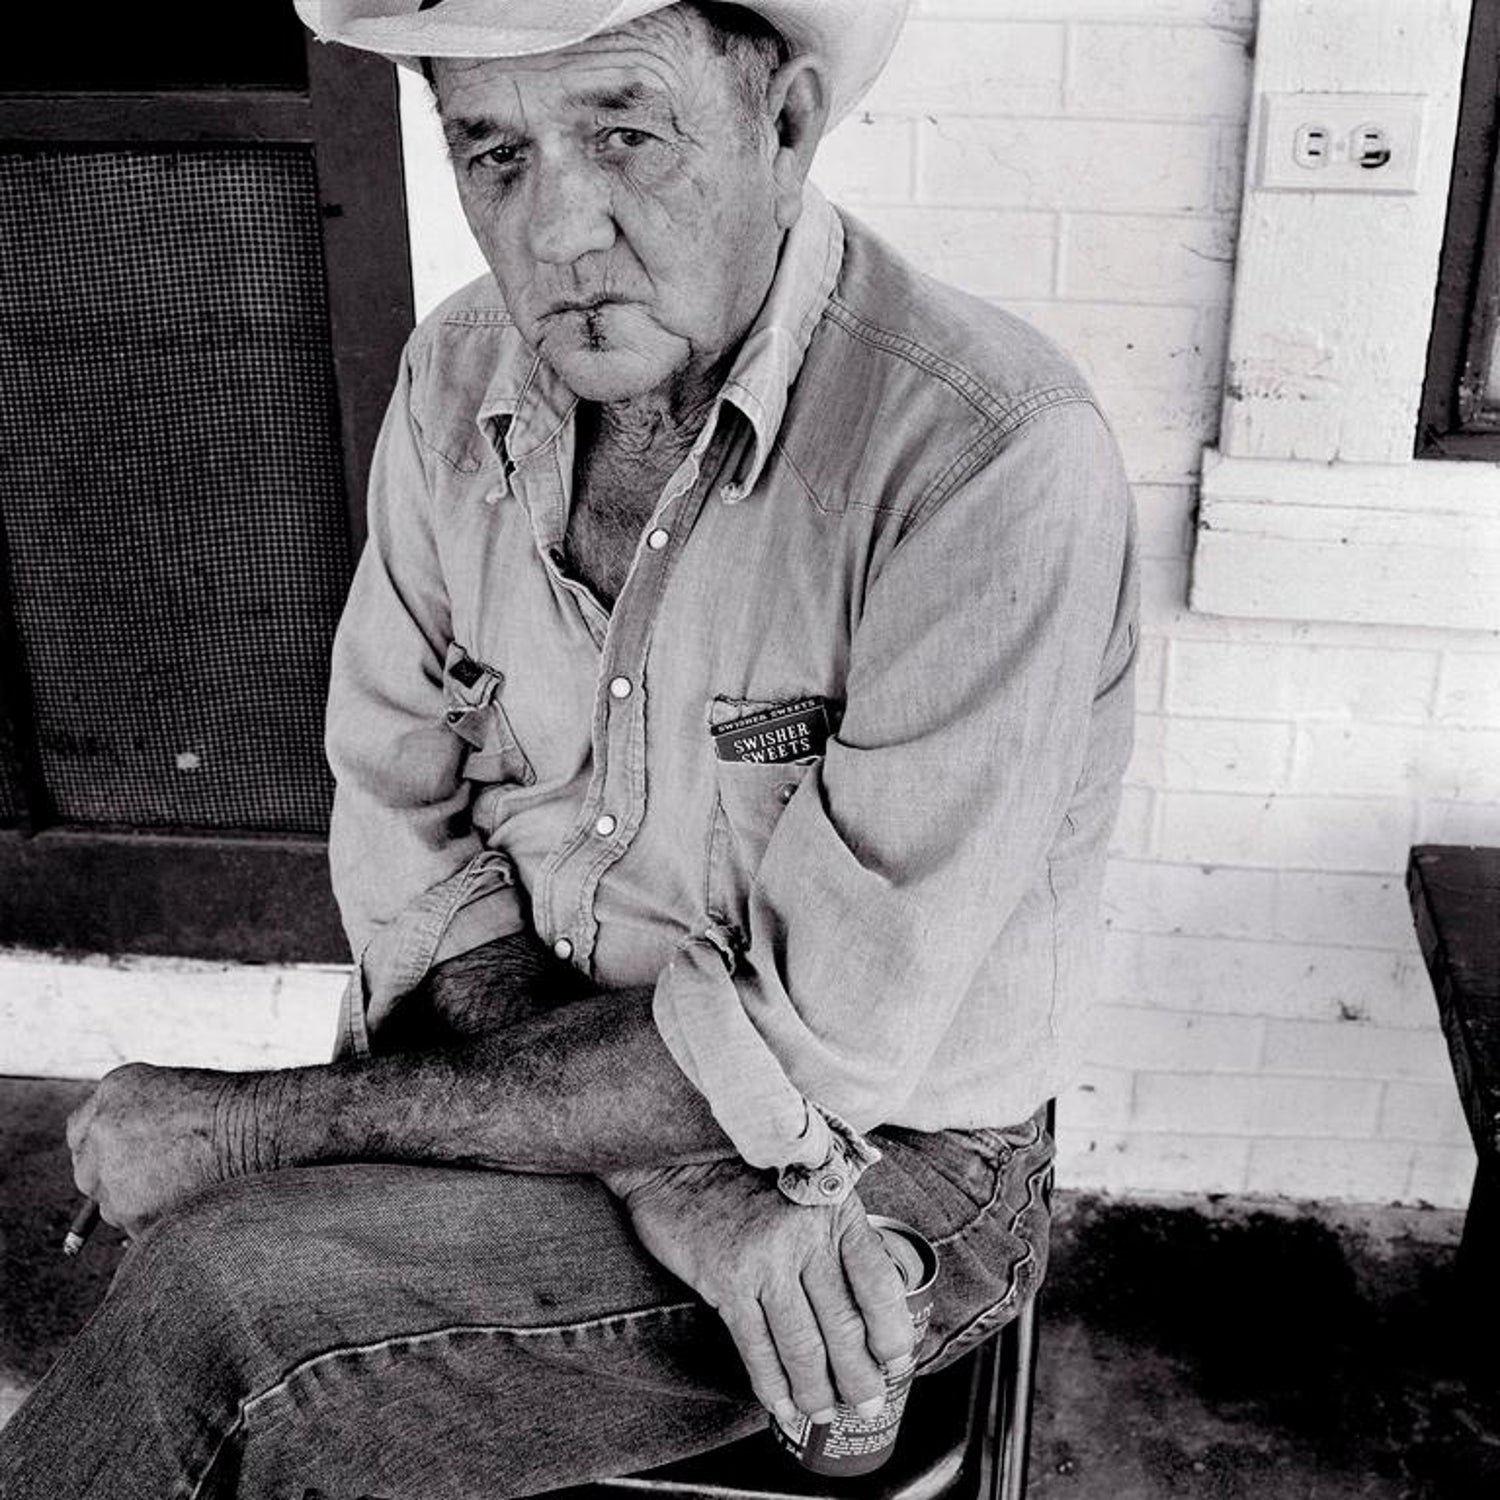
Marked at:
<point>587,1087</point>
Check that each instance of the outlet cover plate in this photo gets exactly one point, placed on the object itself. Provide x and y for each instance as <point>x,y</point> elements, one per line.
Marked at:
<point>1285,120</point>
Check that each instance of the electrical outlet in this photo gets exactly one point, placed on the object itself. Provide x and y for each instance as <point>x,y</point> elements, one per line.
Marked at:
<point>1340,143</point>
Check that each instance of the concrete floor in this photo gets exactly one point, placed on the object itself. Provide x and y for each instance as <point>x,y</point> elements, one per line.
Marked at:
<point>1217,1351</point>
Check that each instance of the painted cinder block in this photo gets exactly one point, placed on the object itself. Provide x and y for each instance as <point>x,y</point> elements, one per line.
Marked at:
<point>1462,822</point>
<point>1007,257</point>
<point>1134,832</point>
<point>1301,681</point>
<point>1356,1049</point>
<point>1236,14</point>
<point>1203,900</point>
<point>1142,1038</point>
<point>1159,72</point>
<point>1350,1170</point>
<point>1241,1105</point>
<point>868,160</point>
<point>1469,689</point>
<point>1163,347</point>
<point>1351,834</point>
<point>1166,449</point>
<point>1427,1113</point>
<point>1442,1176</point>
<point>1066,163</point>
<point>1150,672</point>
<point>1210,754</point>
<point>1129,256</point>
<point>1366,911</point>
<point>1101,1098</point>
<point>982,67</point>
<point>1292,981</point>
<point>1392,760</point>
<point>1126,1163</point>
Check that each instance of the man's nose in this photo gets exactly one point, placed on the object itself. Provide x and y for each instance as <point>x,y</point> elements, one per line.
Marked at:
<point>570,213</point>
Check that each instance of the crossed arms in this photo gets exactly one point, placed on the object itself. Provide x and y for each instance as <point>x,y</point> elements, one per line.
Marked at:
<point>524,1083</point>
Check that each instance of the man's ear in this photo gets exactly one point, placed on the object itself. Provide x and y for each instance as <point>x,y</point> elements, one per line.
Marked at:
<point>798,104</point>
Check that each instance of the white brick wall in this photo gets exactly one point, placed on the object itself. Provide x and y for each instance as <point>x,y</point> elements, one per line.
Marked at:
<point>1269,1026</point>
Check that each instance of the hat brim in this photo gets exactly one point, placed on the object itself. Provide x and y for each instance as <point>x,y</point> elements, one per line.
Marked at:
<point>852,39</point>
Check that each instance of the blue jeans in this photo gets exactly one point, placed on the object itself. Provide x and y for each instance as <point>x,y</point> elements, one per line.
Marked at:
<point>419,1333</point>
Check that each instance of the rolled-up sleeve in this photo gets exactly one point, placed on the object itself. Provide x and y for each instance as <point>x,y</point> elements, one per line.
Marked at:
<point>401,808</point>
<point>1002,614</point>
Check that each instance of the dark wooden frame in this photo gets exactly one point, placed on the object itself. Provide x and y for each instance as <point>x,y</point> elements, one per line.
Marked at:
<point>223,896</point>
<point>1455,421</point>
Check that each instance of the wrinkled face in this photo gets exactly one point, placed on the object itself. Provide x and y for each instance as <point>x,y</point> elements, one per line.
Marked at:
<point>626,210</point>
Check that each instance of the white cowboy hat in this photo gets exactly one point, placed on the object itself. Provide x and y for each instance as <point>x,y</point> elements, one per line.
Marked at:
<point>852,38</point>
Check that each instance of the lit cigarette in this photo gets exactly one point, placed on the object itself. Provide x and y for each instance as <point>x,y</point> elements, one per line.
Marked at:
<point>85,1221</point>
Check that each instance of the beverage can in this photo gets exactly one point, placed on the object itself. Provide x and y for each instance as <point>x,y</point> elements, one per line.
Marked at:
<point>852,1444</point>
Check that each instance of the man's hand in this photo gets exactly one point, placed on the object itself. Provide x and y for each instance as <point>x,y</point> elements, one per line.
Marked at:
<point>810,1297</point>
<point>149,1137</point>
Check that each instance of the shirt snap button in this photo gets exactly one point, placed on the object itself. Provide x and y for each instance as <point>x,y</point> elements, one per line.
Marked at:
<point>786,791</point>
<point>620,687</point>
<point>605,825</point>
<point>657,539</point>
<point>563,949</point>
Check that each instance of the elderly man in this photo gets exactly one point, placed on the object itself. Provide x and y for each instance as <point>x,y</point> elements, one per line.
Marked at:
<point>728,718</point>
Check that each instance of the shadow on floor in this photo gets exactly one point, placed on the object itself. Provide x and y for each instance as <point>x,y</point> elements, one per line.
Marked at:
<point>1217,1351</point>
<point>44,1297</point>
<point>1235,1350</point>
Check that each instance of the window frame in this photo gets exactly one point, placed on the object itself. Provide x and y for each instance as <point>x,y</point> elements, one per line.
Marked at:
<point>1455,420</point>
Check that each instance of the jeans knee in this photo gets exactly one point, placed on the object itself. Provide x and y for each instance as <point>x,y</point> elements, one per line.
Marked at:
<point>198,1275</point>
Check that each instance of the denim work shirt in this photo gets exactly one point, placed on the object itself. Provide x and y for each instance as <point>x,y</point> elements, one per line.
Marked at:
<point>905,541</point>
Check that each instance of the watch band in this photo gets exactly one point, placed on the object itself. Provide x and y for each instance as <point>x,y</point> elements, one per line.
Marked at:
<point>831,1180</point>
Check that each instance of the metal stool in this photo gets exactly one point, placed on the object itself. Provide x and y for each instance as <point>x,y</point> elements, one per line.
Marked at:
<point>965,1436</point>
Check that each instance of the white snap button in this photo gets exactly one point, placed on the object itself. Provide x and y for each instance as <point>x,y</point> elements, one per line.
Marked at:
<point>657,539</point>
<point>605,825</point>
<point>563,949</point>
<point>620,687</point>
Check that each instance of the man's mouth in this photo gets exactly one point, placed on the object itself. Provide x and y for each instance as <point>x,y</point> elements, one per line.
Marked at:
<point>579,305</point>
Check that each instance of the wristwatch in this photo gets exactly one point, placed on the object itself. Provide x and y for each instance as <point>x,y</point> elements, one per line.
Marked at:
<point>832,1179</point>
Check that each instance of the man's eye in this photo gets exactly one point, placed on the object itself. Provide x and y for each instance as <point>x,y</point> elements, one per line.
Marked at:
<point>625,135</point>
<point>497,156</point>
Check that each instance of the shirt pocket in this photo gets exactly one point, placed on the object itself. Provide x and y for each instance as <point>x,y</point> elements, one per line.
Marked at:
<point>750,797</point>
<point>474,709</point>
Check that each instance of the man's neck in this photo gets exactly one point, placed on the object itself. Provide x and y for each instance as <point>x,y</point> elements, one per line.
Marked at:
<point>660,426</point>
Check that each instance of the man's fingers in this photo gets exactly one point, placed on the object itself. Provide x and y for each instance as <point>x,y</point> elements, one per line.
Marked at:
<point>747,1327</point>
<point>879,1293</point>
<point>799,1346</point>
<point>855,1373</point>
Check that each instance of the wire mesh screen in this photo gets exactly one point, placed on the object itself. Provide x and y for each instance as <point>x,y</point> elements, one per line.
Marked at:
<point>170,481</point>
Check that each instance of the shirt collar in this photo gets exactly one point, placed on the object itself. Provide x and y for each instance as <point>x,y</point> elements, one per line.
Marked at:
<point>526,406</point>
<point>760,381</point>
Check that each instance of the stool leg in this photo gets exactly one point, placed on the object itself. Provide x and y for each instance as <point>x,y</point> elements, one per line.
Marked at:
<point>1015,1376</point>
